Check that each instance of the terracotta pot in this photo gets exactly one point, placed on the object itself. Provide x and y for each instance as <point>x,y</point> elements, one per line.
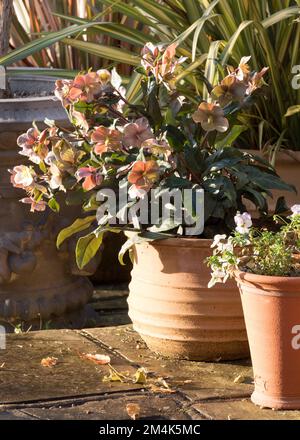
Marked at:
<point>272,313</point>
<point>173,309</point>
<point>288,168</point>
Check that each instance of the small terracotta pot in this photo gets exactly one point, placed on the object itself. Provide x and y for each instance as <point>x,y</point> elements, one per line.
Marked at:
<point>173,309</point>
<point>272,313</point>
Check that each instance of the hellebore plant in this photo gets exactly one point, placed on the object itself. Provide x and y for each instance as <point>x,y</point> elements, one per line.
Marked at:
<point>258,251</point>
<point>164,142</point>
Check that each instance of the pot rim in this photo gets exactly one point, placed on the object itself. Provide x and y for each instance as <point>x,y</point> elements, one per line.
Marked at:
<point>30,77</point>
<point>268,283</point>
<point>182,242</point>
<point>286,155</point>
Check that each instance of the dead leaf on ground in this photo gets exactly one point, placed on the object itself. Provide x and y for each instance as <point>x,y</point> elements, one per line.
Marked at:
<point>241,378</point>
<point>140,376</point>
<point>49,361</point>
<point>100,359</point>
<point>162,383</point>
<point>133,410</point>
<point>158,389</point>
<point>2,365</point>
<point>114,376</point>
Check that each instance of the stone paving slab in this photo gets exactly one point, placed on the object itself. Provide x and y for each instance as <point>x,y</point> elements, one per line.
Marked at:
<point>22,378</point>
<point>73,389</point>
<point>242,409</point>
<point>197,380</point>
<point>152,407</point>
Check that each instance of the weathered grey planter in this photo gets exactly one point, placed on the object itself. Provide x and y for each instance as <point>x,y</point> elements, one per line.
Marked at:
<point>36,281</point>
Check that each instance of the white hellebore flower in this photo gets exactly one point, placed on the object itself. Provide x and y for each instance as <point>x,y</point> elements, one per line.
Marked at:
<point>24,175</point>
<point>243,222</point>
<point>56,178</point>
<point>295,210</point>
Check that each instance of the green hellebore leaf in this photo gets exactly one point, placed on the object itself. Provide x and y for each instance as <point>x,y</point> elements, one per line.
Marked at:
<point>79,225</point>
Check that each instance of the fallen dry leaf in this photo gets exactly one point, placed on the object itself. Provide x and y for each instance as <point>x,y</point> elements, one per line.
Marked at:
<point>157,389</point>
<point>133,410</point>
<point>162,383</point>
<point>241,378</point>
<point>2,365</point>
<point>49,361</point>
<point>140,376</point>
<point>114,376</point>
<point>100,359</point>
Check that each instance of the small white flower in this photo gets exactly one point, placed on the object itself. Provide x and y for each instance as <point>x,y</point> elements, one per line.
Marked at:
<point>217,276</point>
<point>227,247</point>
<point>217,239</point>
<point>243,222</point>
<point>295,210</point>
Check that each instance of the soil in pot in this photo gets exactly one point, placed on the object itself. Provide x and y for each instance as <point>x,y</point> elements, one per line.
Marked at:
<point>272,314</point>
<point>174,311</point>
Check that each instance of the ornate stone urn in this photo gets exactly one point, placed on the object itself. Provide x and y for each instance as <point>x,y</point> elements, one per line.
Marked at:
<point>36,281</point>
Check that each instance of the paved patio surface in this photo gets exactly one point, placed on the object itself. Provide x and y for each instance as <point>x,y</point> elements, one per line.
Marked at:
<point>74,387</point>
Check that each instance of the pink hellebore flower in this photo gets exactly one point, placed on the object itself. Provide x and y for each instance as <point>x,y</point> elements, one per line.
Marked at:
<point>243,222</point>
<point>91,177</point>
<point>34,145</point>
<point>85,87</point>
<point>211,117</point>
<point>80,120</point>
<point>256,80</point>
<point>159,61</point>
<point>62,87</point>
<point>230,89</point>
<point>106,139</point>
<point>144,174</point>
<point>82,88</point>
<point>168,64</point>
<point>243,70</point>
<point>137,132</point>
<point>149,54</point>
<point>35,206</point>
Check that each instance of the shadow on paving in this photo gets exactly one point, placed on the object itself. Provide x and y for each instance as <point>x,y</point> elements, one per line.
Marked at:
<point>74,387</point>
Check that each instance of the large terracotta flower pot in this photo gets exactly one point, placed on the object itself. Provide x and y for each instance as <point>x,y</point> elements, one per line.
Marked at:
<point>172,308</point>
<point>272,313</point>
<point>36,281</point>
